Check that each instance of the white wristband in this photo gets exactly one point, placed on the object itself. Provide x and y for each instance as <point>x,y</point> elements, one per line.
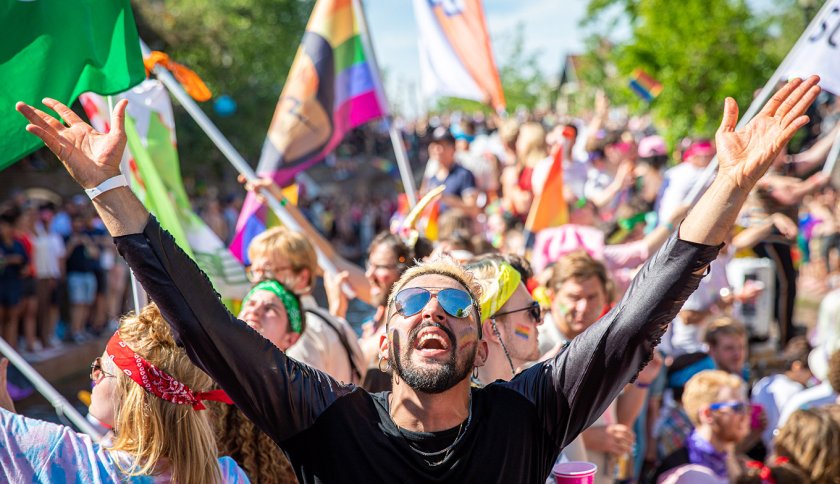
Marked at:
<point>109,184</point>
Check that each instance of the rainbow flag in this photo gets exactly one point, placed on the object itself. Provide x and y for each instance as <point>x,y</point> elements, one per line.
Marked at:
<point>332,87</point>
<point>645,86</point>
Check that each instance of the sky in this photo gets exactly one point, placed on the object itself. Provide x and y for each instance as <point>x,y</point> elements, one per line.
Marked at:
<point>551,28</point>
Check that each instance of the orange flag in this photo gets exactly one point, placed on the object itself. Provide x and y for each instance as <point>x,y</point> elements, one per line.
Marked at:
<point>549,208</point>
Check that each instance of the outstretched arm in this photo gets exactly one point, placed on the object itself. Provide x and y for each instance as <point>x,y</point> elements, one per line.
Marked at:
<point>280,395</point>
<point>573,389</point>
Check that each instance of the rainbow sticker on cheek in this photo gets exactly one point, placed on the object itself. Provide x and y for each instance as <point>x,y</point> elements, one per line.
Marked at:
<point>523,331</point>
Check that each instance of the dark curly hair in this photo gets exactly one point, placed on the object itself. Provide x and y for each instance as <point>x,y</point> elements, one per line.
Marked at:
<point>253,450</point>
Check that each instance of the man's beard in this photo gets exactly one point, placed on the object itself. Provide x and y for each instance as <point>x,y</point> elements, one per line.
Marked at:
<point>436,379</point>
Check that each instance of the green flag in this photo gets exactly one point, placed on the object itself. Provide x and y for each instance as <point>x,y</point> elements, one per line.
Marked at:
<point>154,172</point>
<point>60,49</point>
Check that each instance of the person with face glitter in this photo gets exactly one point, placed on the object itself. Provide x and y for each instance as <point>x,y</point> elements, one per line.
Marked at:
<point>432,426</point>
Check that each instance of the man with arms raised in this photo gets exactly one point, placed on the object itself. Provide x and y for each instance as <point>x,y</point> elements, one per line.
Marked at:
<point>432,426</point>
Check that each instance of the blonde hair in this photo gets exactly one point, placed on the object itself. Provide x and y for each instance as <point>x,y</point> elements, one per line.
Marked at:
<point>442,265</point>
<point>703,389</point>
<point>532,139</point>
<point>281,244</point>
<point>810,439</point>
<point>153,430</point>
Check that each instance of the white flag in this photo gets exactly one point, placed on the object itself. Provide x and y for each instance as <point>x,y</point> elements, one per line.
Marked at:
<point>455,55</point>
<point>820,52</point>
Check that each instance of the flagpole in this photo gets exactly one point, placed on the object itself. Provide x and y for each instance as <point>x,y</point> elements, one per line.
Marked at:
<point>138,294</point>
<point>700,185</point>
<point>61,405</point>
<point>233,156</point>
<point>396,139</point>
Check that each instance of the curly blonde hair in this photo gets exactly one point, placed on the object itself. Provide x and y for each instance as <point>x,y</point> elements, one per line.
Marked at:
<point>153,430</point>
<point>252,449</point>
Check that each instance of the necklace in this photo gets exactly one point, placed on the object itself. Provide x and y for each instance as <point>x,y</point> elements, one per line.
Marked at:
<point>430,456</point>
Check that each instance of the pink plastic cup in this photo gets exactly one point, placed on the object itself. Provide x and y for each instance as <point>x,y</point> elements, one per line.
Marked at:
<point>577,472</point>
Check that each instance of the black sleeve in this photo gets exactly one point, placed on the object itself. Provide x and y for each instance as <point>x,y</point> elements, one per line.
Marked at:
<point>280,395</point>
<point>573,389</point>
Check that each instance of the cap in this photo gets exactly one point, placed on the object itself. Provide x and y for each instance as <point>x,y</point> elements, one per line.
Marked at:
<point>442,135</point>
<point>651,146</point>
<point>700,147</point>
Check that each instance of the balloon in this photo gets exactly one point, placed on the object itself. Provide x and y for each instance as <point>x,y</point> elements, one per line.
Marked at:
<point>224,106</point>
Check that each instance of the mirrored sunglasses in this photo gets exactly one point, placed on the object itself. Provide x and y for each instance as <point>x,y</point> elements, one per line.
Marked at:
<point>737,407</point>
<point>456,302</point>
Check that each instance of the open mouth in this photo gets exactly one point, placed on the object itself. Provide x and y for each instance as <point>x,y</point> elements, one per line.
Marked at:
<point>432,341</point>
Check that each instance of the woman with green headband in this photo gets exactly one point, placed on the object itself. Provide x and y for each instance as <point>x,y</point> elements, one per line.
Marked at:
<point>274,312</point>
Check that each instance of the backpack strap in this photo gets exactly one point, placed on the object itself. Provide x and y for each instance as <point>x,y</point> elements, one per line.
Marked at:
<point>342,337</point>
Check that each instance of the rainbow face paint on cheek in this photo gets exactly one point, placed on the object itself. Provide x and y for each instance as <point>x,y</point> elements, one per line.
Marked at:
<point>467,339</point>
<point>522,330</point>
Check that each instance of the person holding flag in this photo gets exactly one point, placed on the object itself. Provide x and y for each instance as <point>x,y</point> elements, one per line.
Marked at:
<point>432,426</point>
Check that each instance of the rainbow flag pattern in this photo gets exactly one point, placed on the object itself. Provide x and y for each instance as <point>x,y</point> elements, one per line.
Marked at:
<point>645,86</point>
<point>332,87</point>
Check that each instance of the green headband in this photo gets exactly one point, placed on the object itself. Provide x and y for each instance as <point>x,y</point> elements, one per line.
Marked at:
<point>290,302</point>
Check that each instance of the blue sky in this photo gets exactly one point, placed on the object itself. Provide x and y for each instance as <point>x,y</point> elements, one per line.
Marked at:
<point>551,28</point>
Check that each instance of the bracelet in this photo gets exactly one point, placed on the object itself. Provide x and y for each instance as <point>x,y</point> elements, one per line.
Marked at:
<point>642,385</point>
<point>109,184</point>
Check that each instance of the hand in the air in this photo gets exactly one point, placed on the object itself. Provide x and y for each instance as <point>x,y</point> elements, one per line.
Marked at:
<point>746,154</point>
<point>90,157</point>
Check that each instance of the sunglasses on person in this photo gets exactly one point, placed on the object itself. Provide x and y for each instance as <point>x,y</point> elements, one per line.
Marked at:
<point>736,407</point>
<point>456,302</point>
<point>96,371</point>
<point>534,311</point>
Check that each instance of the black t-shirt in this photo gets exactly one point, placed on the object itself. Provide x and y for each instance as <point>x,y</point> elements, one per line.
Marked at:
<point>341,433</point>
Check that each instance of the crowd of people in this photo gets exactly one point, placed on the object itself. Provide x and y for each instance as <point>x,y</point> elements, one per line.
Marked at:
<point>621,337</point>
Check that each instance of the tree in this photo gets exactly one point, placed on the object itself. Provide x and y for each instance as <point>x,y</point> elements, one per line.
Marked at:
<point>701,51</point>
<point>241,48</point>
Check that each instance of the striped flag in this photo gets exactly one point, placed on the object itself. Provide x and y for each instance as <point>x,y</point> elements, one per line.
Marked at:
<point>645,86</point>
<point>455,54</point>
<point>154,172</point>
<point>332,87</point>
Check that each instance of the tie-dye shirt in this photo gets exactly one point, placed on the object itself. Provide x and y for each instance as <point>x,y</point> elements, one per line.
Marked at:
<point>37,451</point>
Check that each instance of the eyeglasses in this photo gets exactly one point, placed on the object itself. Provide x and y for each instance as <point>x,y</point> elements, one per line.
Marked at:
<point>96,371</point>
<point>412,300</point>
<point>534,311</point>
<point>736,407</point>
<point>263,273</point>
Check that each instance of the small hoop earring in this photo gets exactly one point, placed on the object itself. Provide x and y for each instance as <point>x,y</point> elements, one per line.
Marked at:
<point>387,365</point>
<point>475,373</point>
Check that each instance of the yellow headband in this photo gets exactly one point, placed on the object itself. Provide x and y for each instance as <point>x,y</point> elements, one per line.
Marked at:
<point>496,293</point>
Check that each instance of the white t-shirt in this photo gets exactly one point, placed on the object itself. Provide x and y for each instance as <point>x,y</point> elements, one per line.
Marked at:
<point>320,347</point>
<point>48,248</point>
<point>816,396</point>
<point>773,392</point>
<point>677,183</point>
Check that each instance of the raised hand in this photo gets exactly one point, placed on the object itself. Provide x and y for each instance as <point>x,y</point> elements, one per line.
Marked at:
<point>90,157</point>
<point>746,154</point>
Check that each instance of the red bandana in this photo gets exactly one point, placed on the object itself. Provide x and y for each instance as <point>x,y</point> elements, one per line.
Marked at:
<point>156,381</point>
